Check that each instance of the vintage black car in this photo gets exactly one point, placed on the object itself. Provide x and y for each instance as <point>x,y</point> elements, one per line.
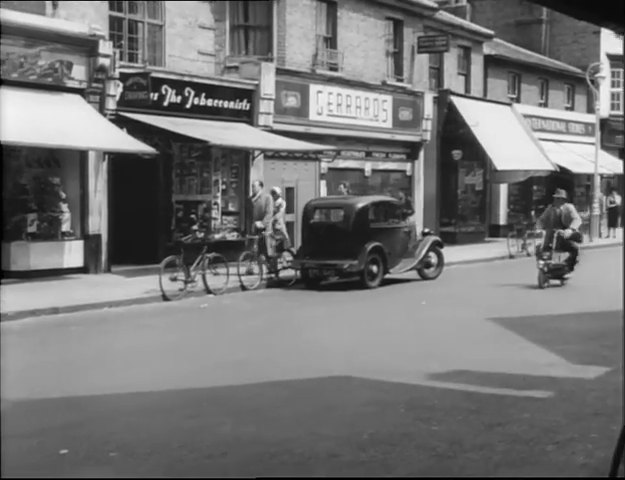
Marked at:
<point>364,236</point>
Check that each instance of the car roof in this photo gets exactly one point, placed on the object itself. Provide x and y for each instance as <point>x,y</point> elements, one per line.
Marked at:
<point>354,201</point>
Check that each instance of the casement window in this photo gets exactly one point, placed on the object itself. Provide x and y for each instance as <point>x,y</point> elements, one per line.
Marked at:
<point>327,56</point>
<point>616,90</point>
<point>514,87</point>
<point>137,31</point>
<point>436,71</point>
<point>569,96</point>
<point>464,68</point>
<point>543,92</point>
<point>250,28</point>
<point>395,49</point>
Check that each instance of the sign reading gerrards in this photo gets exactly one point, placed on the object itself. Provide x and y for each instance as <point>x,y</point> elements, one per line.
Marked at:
<point>332,104</point>
<point>149,92</point>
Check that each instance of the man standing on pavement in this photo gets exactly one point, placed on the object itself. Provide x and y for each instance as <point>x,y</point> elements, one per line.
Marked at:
<point>261,206</point>
<point>562,215</point>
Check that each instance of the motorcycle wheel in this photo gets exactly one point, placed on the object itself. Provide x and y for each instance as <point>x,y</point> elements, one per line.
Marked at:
<point>543,281</point>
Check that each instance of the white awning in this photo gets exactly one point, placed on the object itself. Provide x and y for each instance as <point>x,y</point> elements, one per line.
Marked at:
<point>228,134</point>
<point>569,159</point>
<point>512,148</point>
<point>46,119</point>
<point>608,164</point>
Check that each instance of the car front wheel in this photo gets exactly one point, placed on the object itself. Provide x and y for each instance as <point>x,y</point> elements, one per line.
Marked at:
<point>432,265</point>
<point>373,272</point>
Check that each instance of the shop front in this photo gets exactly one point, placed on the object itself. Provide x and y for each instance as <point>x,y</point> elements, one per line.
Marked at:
<point>204,135</point>
<point>53,142</point>
<point>483,145</point>
<point>376,131</point>
<point>568,139</point>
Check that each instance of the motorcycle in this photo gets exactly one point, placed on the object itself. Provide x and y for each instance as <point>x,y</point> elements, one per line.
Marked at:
<point>551,263</point>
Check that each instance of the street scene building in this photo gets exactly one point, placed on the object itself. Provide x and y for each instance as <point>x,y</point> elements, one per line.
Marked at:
<point>312,238</point>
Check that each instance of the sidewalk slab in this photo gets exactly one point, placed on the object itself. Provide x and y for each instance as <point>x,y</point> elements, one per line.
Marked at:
<point>139,285</point>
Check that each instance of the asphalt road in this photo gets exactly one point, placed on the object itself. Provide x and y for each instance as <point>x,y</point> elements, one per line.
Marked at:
<point>478,373</point>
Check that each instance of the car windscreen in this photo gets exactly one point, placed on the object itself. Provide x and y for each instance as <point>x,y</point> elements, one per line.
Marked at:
<point>328,215</point>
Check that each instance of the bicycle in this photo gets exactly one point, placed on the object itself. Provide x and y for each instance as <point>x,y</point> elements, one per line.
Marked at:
<point>254,261</point>
<point>522,239</point>
<point>175,275</point>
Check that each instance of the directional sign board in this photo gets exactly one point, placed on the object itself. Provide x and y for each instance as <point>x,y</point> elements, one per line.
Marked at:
<point>433,43</point>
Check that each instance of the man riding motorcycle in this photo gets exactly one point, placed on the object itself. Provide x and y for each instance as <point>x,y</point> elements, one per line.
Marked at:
<point>562,215</point>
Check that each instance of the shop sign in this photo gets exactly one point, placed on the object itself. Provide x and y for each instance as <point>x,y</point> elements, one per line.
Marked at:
<point>557,125</point>
<point>332,104</point>
<point>36,61</point>
<point>180,96</point>
<point>345,105</point>
<point>433,43</point>
<point>362,154</point>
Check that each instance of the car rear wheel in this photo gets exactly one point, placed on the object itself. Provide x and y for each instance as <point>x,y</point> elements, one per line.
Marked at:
<point>373,272</point>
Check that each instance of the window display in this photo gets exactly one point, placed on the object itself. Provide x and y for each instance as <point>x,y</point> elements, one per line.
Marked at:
<point>208,190</point>
<point>41,194</point>
<point>380,182</point>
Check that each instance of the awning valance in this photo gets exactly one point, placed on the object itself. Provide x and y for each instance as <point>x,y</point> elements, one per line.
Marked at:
<point>512,148</point>
<point>228,134</point>
<point>46,119</point>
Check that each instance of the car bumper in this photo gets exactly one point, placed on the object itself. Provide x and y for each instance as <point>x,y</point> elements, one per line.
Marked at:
<point>328,267</point>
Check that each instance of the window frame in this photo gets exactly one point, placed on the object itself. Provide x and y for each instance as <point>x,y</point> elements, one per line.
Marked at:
<point>437,69</point>
<point>143,18</point>
<point>395,49</point>
<point>569,106</point>
<point>230,28</point>
<point>514,80</point>
<point>543,101</point>
<point>616,90</point>
<point>464,71</point>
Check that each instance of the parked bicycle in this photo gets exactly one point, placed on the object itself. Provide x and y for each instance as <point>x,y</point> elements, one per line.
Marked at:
<point>176,275</point>
<point>254,262</point>
<point>522,239</point>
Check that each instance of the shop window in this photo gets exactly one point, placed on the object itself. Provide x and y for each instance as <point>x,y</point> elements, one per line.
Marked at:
<point>543,92</point>
<point>41,194</point>
<point>616,90</point>
<point>137,30</point>
<point>569,96</point>
<point>464,68</point>
<point>327,56</point>
<point>380,182</point>
<point>289,197</point>
<point>251,28</point>
<point>395,49</point>
<point>514,87</point>
<point>436,71</point>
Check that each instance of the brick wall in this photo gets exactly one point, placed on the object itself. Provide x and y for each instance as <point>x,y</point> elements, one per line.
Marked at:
<point>497,85</point>
<point>189,31</point>
<point>572,41</point>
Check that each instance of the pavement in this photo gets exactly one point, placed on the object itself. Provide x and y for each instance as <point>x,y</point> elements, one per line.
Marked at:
<point>479,373</point>
<point>139,285</point>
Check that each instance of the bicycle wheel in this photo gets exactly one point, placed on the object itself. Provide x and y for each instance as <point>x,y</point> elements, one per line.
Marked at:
<point>215,274</point>
<point>529,243</point>
<point>250,271</point>
<point>513,244</point>
<point>173,278</point>
<point>286,274</point>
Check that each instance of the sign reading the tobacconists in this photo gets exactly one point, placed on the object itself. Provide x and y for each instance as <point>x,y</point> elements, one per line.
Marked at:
<point>331,104</point>
<point>557,125</point>
<point>148,92</point>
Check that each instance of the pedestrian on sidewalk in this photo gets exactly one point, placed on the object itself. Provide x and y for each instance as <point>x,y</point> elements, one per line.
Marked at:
<point>261,206</point>
<point>278,224</point>
<point>613,207</point>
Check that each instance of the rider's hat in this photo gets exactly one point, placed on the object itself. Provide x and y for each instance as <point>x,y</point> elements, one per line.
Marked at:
<point>277,191</point>
<point>560,193</point>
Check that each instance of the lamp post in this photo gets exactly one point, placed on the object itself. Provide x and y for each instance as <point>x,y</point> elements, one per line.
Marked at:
<point>596,70</point>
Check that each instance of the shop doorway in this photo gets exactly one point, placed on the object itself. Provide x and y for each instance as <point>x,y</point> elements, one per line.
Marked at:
<point>134,211</point>
<point>298,181</point>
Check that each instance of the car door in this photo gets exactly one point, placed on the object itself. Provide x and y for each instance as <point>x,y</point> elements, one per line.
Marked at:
<point>387,226</point>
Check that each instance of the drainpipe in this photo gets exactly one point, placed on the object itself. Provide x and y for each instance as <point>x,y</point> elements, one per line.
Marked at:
<point>544,34</point>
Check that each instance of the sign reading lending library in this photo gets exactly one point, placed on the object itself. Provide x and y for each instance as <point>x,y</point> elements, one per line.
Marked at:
<point>148,92</point>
